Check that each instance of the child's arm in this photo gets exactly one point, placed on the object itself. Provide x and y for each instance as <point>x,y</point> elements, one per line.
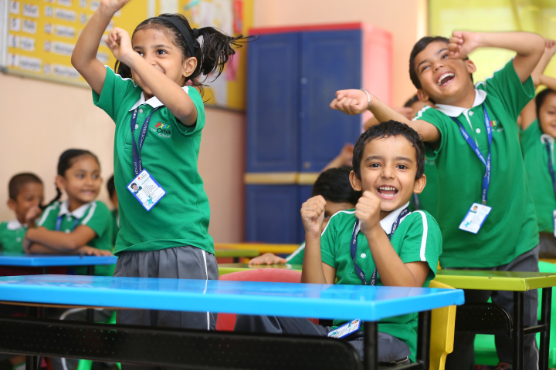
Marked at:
<point>314,270</point>
<point>356,102</point>
<point>37,248</point>
<point>268,259</point>
<point>392,270</point>
<point>84,56</point>
<point>166,90</point>
<point>528,46</point>
<point>60,241</point>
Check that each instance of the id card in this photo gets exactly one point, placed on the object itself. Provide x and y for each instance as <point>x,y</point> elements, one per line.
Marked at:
<point>146,190</point>
<point>475,218</point>
<point>346,329</point>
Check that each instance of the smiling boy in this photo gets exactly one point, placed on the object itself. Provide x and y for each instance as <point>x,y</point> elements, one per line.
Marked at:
<point>394,247</point>
<point>473,137</point>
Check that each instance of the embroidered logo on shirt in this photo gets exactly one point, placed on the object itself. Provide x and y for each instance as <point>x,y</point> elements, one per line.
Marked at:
<point>163,130</point>
<point>496,126</point>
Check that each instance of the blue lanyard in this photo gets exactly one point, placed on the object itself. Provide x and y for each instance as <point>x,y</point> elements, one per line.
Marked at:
<point>135,150</point>
<point>550,168</point>
<point>59,223</point>
<point>353,248</point>
<point>473,145</point>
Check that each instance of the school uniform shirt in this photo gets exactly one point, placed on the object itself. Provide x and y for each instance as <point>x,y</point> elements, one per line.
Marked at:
<point>535,156</point>
<point>11,236</point>
<point>511,227</point>
<point>296,258</point>
<point>94,215</point>
<point>169,154</point>
<point>428,199</point>
<point>417,238</point>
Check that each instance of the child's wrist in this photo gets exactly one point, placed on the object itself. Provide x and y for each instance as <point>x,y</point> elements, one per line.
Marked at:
<point>105,12</point>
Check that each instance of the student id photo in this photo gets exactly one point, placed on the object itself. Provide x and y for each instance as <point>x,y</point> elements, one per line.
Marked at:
<point>146,190</point>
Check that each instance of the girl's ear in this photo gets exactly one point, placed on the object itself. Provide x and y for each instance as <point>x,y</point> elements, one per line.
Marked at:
<point>60,182</point>
<point>419,185</point>
<point>355,181</point>
<point>189,66</point>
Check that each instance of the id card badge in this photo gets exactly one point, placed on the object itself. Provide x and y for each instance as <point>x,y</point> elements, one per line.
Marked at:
<point>475,218</point>
<point>146,190</point>
<point>346,329</point>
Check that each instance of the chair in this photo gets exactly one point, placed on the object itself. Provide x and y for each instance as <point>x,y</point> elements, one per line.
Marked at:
<point>443,322</point>
<point>227,321</point>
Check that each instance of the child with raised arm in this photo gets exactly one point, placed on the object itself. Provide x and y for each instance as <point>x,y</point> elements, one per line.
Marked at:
<point>394,247</point>
<point>473,137</point>
<point>159,116</point>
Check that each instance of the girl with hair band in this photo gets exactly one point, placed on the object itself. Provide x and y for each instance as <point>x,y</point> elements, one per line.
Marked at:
<point>159,116</point>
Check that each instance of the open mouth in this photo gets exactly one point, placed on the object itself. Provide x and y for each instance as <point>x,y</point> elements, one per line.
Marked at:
<point>445,79</point>
<point>387,192</point>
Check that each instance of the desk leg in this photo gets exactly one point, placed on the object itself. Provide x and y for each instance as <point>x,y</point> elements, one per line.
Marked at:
<point>370,350</point>
<point>424,339</point>
<point>545,335</point>
<point>236,259</point>
<point>518,330</point>
<point>90,312</point>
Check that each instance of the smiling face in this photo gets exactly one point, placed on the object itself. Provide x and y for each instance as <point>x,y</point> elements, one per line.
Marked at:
<point>81,182</point>
<point>30,194</point>
<point>547,115</point>
<point>444,80</point>
<point>388,169</point>
<point>159,50</point>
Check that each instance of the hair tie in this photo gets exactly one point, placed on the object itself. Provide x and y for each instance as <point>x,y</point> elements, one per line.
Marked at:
<point>196,33</point>
<point>191,43</point>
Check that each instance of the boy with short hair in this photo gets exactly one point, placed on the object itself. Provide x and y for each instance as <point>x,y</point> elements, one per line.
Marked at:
<point>334,186</point>
<point>26,194</point>
<point>395,247</point>
<point>473,137</point>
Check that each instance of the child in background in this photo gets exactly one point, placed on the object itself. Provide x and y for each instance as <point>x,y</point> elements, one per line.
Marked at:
<point>537,142</point>
<point>395,247</point>
<point>467,117</point>
<point>26,194</point>
<point>159,68</point>
<point>334,186</point>
<point>79,225</point>
<point>115,215</point>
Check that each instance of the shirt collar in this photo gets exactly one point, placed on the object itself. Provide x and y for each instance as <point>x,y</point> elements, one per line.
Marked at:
<point>15,225</point>
<point>78,213</point>
<point>453,111</point>
<point>387,222</point>
<point>153,102</point>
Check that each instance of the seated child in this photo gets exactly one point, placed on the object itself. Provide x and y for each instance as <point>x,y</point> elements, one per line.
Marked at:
<point>537,142</point>
<point>334,186</point>
<point>395,247</point>
<point>115,214</point>
<point>26,195</point>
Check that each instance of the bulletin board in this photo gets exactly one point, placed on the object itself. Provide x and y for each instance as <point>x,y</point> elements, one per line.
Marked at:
<point>37,38</point>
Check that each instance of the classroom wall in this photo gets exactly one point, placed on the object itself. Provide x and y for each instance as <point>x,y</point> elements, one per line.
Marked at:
<point>39,120</point>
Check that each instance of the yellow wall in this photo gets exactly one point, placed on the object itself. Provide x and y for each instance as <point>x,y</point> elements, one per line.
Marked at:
<point>39,120</point>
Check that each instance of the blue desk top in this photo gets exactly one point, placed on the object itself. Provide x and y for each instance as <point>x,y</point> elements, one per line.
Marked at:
<point>36,260</point>
<point>369,303</point>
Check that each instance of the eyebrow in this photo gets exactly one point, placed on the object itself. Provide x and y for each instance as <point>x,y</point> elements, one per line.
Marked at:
<point>426,60</point>
<point>370,158</point>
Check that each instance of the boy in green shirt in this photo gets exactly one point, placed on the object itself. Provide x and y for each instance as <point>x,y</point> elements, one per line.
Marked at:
<point>395,247</point>
<point>472,135</point>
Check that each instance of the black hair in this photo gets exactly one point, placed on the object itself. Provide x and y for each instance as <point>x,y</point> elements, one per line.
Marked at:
<point>19,180</point>
<point>65,162</point>
<point>334,185</point>
<point>540,98</point>
<point>419,47</point>
<point>389,129</point>
<point>414,99</point>
<point>110,186</point>
<point>214,52</point>
<point>133,184</point>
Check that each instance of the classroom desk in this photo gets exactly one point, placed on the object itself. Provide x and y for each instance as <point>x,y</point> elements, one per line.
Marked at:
<point>236,254</point>
<point>206,349</point>
<point>226,268</point>
<point>44,261</point>
<point>518,282</point>
<point>260,247</point>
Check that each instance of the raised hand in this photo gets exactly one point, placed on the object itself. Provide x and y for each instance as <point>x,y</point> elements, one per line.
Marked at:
<point>549,47</point>
<point>268,259</point>
<point>113,5</point>
<point>312,215</point>
<point>462,44</point>
<point>119,42</point>
<point>32,214</point>
<point>351,102</point>
<point>367,211</point>
<point>91,251</point>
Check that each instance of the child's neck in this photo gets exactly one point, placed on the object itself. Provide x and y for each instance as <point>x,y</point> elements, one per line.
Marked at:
<point>73,204</point>
<point>21,219</point>
<point>466,99</point>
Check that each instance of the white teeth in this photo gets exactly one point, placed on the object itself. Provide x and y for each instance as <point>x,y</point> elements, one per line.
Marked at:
<point>441,79</point>
<point>387,188</point>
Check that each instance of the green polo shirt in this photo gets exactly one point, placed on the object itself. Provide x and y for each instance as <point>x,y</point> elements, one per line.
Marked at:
<point>169,154</point>
<point>535,157</point>
<point>296,258</point>
<point>428,199</point>
<point>11,236</point>
<point>511,227</point>
<point>417,238</point>
<point>94,215</point>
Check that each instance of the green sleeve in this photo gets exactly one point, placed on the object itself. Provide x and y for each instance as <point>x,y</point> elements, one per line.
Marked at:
<point>49,216</point>
<point>506,86</point>
<point>99,219</point>
<point>200,106</point>
<point>422,242</point>
<point>114,90</point>
<point>4,229</point>
<point>327,242</point>
<point>530,136</point>
<point>296,258</point>
<point>441,122</point>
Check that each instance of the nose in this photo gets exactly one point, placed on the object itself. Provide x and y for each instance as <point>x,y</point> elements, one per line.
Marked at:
<point>149,57</point>
<point>387,172</point>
